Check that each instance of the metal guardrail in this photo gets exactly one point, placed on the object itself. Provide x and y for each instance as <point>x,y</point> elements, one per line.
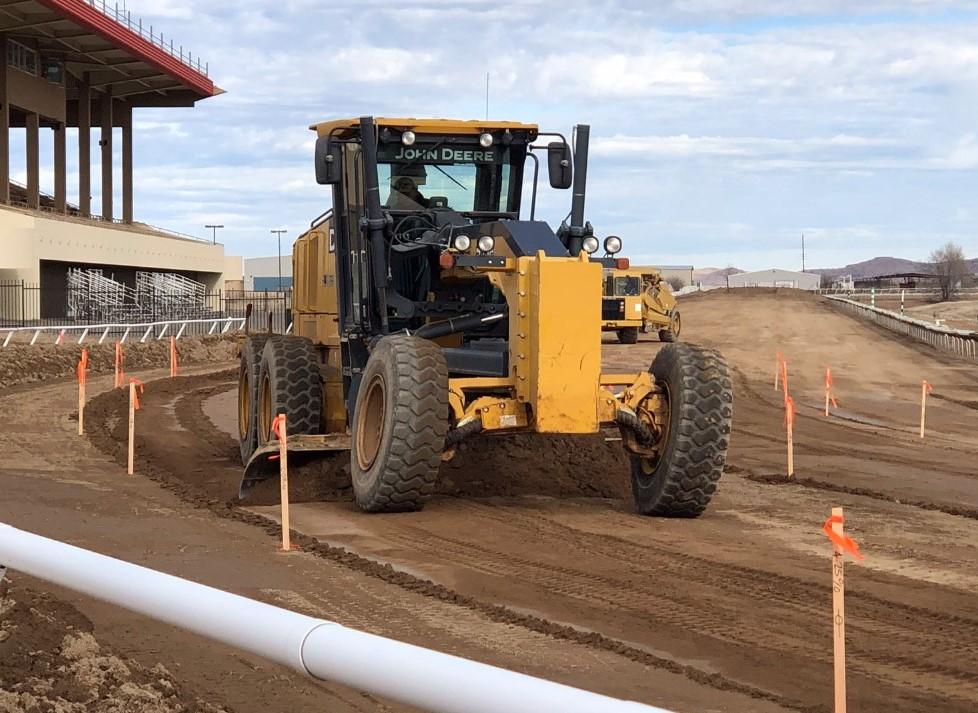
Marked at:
<point>324,650</point>
<point>124,17</point>
<point>159,329</point>
<point>961,342</point>
<point>887,291</point>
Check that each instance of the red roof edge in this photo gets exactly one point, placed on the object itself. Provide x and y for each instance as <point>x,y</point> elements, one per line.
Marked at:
<point>92,19</point>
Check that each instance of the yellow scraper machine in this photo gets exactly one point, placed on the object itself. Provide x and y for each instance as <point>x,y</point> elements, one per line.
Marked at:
<point>638,299</point>
<point>426,312</point>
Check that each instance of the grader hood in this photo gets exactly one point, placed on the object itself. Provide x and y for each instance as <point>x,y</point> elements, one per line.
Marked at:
<point>556,338</point>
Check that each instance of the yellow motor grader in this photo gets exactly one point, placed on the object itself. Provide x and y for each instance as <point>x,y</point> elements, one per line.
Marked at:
<point>426,311</point>
<point>638,299</point>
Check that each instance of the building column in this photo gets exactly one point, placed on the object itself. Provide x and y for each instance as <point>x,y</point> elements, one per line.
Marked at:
<point>106,144</point>
<point>125,118</point>
<point>4,126</point>
<point>33,124</point>
<point>85,148</point>
<point>60,174</point>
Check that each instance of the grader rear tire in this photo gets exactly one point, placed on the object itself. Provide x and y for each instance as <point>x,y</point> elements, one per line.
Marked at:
<point>628,335</point>
<point>399,425</point>
<point>289,382</point>
<point>248,374</point>
<point>671,333</point>
<point>682,481</point>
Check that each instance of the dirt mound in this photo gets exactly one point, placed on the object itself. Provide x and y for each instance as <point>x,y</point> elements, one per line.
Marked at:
<point>720,294</point>
<point>23,364</point>
<point>51,662</point>
<point>537,464</point>
<point>206,459</point>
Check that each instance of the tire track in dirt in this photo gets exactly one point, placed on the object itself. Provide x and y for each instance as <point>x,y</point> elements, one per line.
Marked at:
<point>915,628</point>
<point>106,433</point>
<point>674,608</point>
<point>779,479</point>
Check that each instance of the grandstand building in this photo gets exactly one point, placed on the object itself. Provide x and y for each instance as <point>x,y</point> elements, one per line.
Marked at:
<point>84,64</point>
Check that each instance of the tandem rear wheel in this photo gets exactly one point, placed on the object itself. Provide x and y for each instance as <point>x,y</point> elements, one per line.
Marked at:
<point>277,374</point>
<point>680,480</point>
<point>399,425</point>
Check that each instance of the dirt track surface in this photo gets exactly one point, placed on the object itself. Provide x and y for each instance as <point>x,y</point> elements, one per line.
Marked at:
<point>538,563</point>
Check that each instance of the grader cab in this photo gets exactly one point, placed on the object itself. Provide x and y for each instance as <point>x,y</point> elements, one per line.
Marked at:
<point>426,311</point>
<point>637,299</point>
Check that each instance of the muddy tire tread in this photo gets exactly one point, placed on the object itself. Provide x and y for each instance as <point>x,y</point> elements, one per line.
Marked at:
<point>251,355</point>
<point>296,384</point>
<point>693,461</point>
<point>408,475</point>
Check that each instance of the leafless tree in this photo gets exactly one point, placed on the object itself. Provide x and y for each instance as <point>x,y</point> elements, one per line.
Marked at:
<point>676,283</point>
<point>948,263</point>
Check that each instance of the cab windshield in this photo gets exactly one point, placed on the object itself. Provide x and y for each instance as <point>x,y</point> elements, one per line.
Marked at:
<point>462,178</point>
<point>623,286</point>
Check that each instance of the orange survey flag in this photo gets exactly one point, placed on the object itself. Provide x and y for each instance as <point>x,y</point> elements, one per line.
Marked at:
<point>82,370</point>
<point>139,389</point>
<point>843,542</point>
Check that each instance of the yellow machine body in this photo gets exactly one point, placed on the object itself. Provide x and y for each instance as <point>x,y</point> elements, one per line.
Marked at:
<point>555,383</point>
<point>636,297</point>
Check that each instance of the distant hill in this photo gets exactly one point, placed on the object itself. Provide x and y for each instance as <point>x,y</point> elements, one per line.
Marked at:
<point>712,276</point>
<point>884,266</point>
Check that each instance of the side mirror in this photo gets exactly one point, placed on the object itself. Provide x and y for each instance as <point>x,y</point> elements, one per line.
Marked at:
<point>328,167</point>
<point>560,165</point>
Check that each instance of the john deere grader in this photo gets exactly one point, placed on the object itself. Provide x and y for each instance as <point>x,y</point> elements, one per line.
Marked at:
<point>426,312</point>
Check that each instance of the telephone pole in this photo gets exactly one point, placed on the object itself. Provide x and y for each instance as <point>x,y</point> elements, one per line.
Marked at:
<point>802,252</point>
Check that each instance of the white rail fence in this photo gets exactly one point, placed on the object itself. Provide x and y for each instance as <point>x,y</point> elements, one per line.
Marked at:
<point>321,649</point>
<point>149,330</point>
<point>955,341</point>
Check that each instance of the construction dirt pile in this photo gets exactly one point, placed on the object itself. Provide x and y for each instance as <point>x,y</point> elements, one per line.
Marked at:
<point>530,464</point>
<point>23,363</point>
<point>51,663</point>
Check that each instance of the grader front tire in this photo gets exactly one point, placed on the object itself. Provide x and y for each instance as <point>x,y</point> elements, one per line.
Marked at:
<point>399,425</point>
<point>682,480</point>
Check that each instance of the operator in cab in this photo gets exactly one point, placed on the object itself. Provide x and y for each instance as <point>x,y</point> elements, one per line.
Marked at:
<point>405,194</point>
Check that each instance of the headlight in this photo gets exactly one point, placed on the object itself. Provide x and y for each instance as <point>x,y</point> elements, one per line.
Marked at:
<point>462,243</point>
<point>590,245</point>
<point>612,244</point>
<point>486,243</point>
<point>407,138</point>
<point>485,140</point>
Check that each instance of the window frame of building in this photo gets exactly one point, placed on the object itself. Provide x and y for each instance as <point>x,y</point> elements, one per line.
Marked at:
<point>22,58</point>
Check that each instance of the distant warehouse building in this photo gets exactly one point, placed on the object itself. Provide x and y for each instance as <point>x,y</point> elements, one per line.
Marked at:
<point>777,278</point>
<point>263,274</point>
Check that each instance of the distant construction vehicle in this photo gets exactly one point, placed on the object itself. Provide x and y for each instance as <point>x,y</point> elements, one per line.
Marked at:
<point>638,299</point>
<point>427,312</point>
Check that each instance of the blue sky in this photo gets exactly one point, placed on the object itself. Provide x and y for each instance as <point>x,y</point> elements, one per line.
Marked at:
<point>721,129</point>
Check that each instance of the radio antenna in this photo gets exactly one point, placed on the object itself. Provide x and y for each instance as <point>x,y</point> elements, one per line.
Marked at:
<point>487,96</point>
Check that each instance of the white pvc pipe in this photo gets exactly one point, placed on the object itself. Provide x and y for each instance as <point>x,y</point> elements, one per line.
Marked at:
<point>322,649</point>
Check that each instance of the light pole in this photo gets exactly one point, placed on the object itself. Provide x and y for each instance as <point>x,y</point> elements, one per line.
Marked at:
<point>214,229</point>
<point>279,233</point>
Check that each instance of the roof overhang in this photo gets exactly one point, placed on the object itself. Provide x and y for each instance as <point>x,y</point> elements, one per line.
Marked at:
<point>426,126</point>
<point>113,51</point>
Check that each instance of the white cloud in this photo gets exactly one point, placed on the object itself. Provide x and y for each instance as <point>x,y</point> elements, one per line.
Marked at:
<point>706,114</point>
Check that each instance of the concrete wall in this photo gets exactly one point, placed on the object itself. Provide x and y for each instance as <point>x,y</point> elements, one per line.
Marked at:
<point>36,94</point>
<point>29,238</point>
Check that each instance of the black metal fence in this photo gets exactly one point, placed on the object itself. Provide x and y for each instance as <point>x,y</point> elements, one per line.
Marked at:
<point>23,304</point>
